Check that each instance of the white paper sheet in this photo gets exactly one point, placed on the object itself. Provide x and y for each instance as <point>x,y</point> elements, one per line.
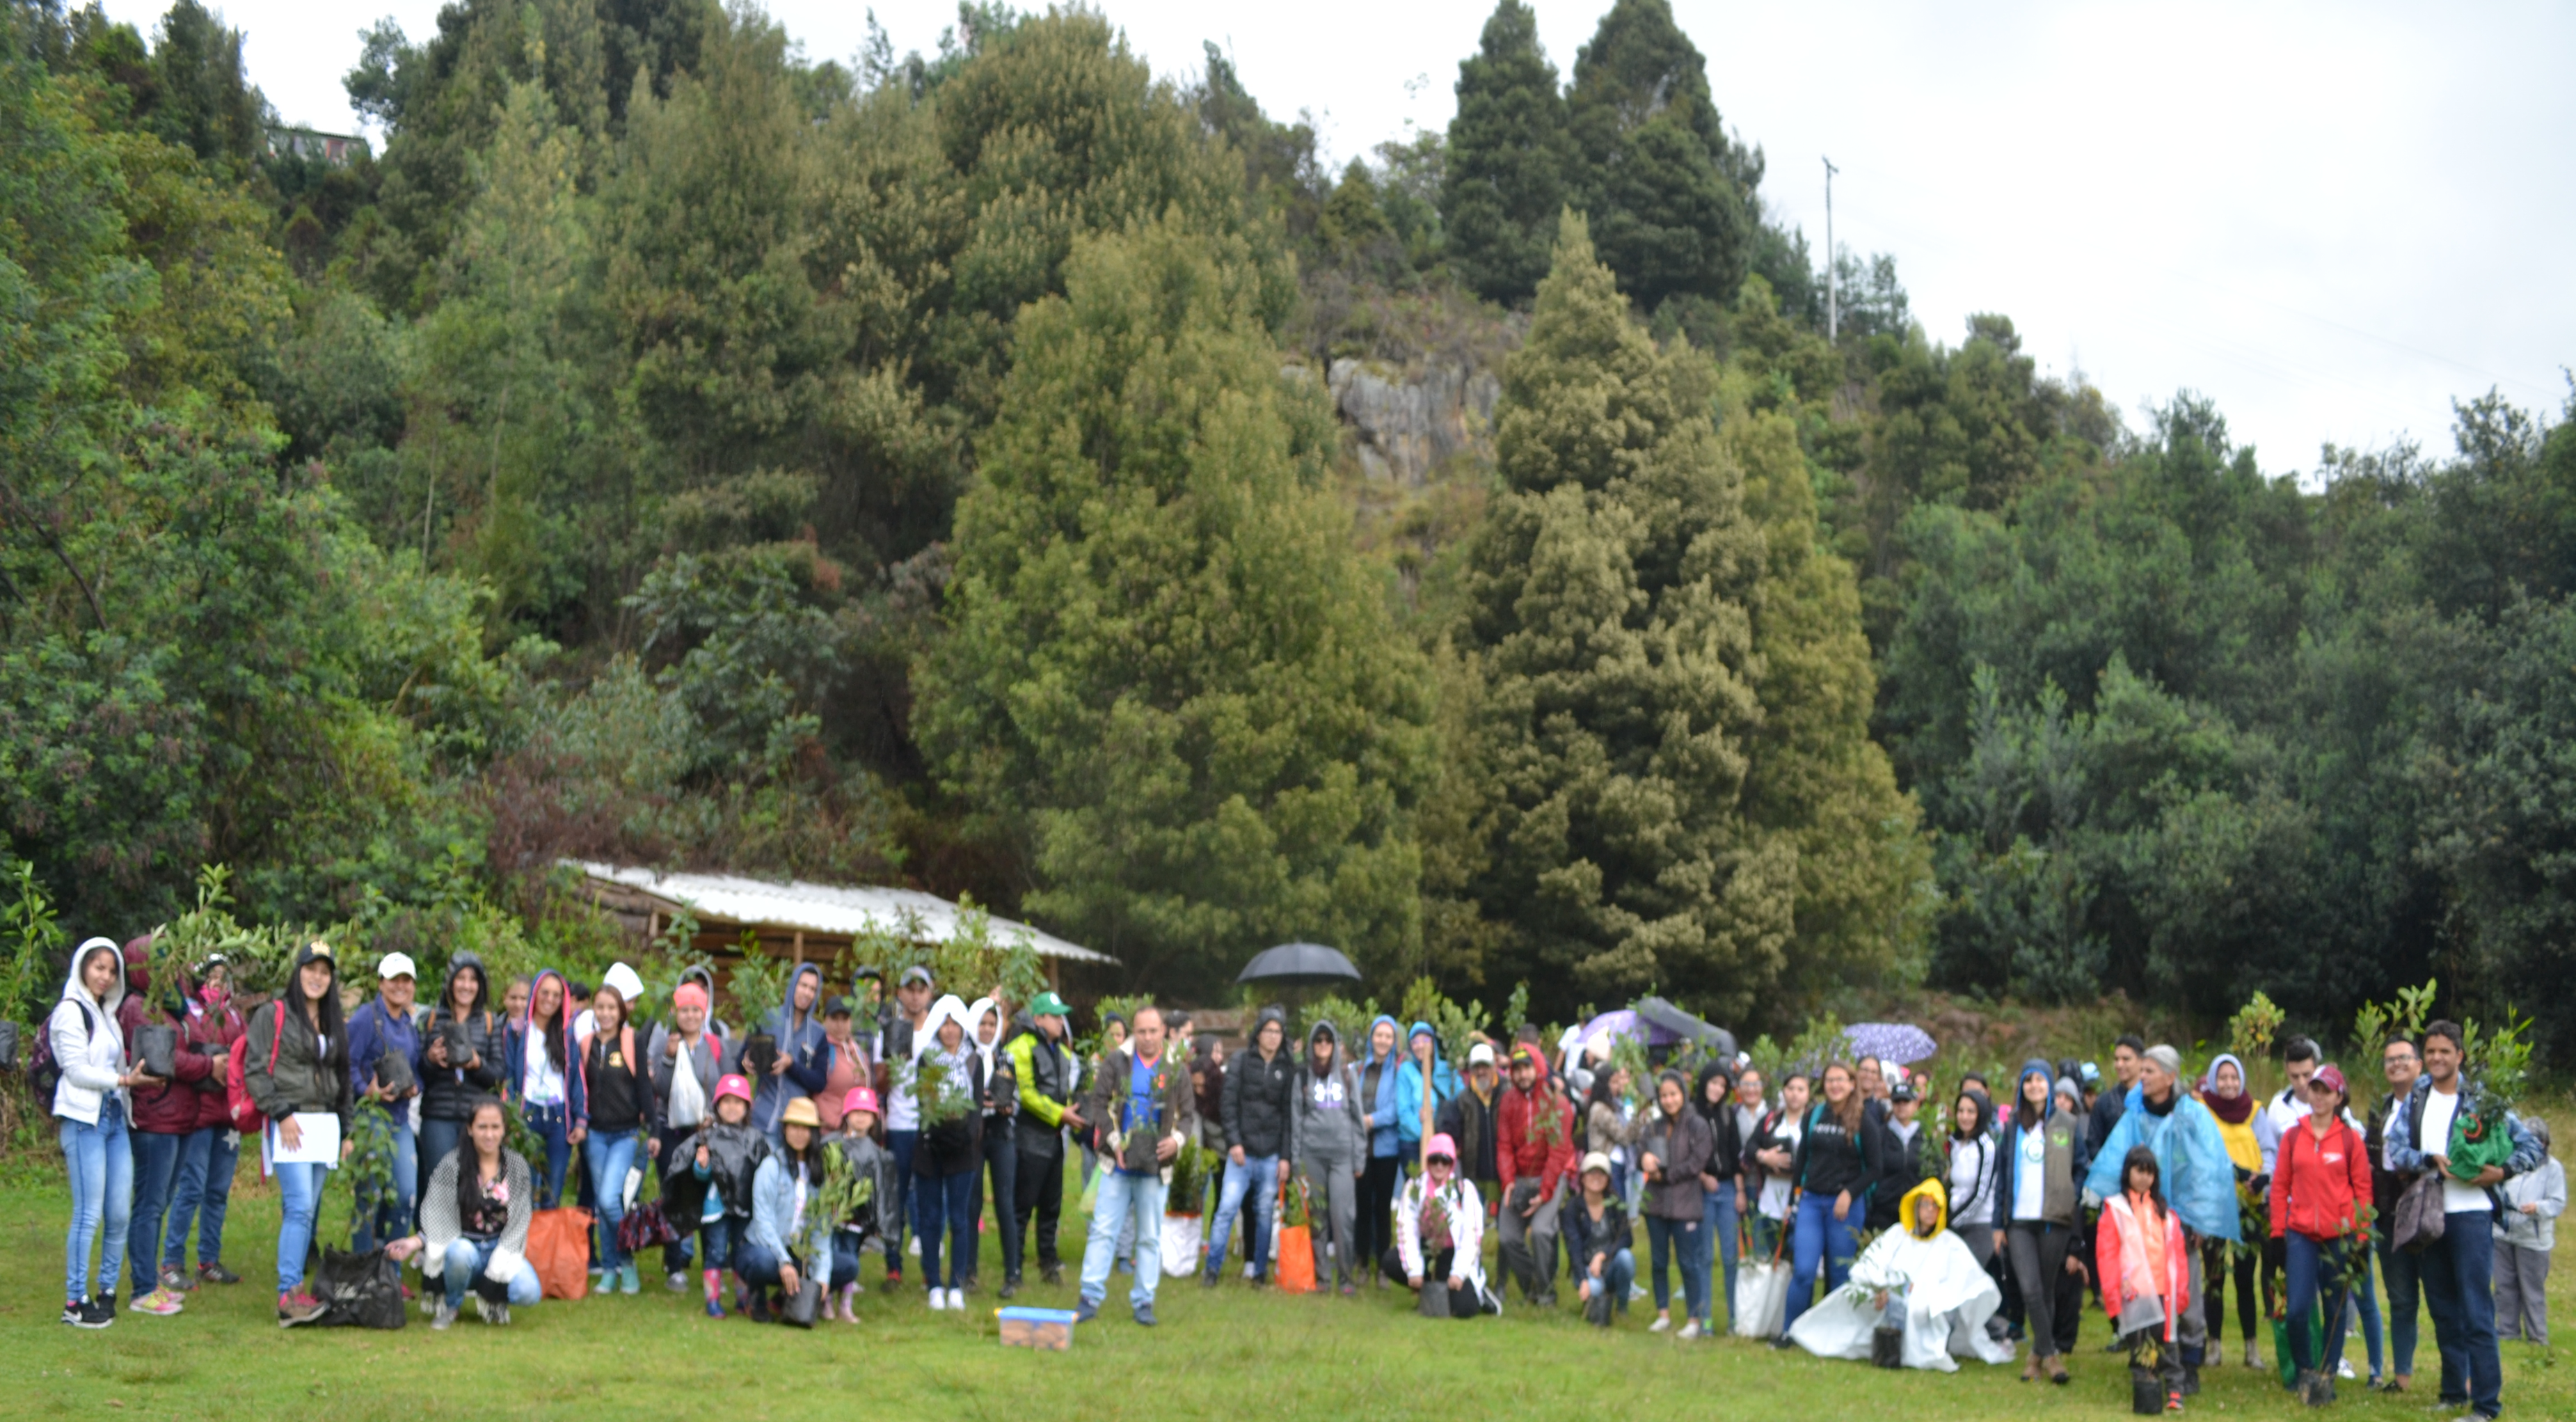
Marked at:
<point>321,1143</point>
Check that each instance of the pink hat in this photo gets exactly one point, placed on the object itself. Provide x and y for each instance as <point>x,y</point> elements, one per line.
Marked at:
<point>2331,1078</point>
<point>1437,1145</point>
<point>734,1086</point>
<point>860,1099</point>
<point>689,995</point>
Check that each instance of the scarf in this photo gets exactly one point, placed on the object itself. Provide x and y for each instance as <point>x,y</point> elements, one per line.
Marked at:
<point>2231,1111</point>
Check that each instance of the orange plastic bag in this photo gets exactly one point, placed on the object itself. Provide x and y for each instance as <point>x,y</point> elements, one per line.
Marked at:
<point>559,1250</point>
<point>1294,1268</point>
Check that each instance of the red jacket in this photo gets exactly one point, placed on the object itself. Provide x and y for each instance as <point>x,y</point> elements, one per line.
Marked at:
<point>2320,1187</point>
<point>169,1109</point>
<point>1516,1150</point>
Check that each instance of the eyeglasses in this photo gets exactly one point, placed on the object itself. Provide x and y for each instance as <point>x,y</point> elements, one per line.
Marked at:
<point>1442,1160</point>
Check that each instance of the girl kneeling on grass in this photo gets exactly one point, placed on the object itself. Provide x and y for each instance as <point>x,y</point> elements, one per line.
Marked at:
<point>788,1240</point>
<point>474,1223</point>
<point>2146,1277</point>
<point>709,1178</point>
<point>1605,1263</point>
<point>1439,1227</point>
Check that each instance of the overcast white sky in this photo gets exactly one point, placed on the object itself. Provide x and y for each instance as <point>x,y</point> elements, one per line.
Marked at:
<point>2333,219</point>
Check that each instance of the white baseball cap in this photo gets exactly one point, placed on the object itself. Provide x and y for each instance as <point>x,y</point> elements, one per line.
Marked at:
<point>395,965</point>
<point>1482,1054</point>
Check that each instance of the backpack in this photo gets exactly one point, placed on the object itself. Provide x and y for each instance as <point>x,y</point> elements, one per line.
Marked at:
<point>245,1112</point>
<point>44,1073</point>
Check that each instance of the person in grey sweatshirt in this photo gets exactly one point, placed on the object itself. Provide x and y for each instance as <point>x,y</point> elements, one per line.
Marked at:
<point>1328,1137</point>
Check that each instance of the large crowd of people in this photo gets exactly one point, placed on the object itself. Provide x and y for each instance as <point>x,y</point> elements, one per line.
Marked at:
<point>1849,1210</point>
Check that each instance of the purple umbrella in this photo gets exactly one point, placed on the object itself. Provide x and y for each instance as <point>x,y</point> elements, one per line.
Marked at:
<point>1622,1023</point>
<point>1900,1042</point>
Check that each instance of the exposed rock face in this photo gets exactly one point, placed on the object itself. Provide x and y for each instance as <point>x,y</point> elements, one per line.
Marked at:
<point>1407,421</point>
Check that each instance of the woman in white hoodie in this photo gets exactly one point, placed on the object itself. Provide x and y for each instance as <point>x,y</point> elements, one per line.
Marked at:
<point>91,1108</point>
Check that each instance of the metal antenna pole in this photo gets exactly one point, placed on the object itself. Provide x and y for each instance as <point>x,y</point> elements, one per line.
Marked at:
<point>1833,294</point>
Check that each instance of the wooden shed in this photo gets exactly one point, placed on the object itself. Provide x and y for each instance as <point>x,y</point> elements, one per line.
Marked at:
<point>796,920</point>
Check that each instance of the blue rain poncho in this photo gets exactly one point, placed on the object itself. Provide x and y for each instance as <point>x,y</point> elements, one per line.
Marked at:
<point>2199,1178</point>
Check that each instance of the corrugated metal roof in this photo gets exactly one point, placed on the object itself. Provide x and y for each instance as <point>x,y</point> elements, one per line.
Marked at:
<point>822,908</point>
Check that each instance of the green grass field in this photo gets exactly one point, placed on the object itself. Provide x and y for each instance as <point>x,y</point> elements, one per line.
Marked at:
<point>1233,1353</point>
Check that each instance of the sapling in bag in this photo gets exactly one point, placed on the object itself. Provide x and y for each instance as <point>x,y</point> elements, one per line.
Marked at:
<point>1295,1256</point>
<point>559,1250</point>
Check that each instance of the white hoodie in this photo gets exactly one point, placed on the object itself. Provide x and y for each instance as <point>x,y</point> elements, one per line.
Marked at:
<point>91,1053</point>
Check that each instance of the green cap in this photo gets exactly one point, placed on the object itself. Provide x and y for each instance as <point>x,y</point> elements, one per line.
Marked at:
<point>1049,1005</point>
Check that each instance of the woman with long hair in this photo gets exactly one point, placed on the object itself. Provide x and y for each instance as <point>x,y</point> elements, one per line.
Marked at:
<point>1837,1162</point>
<point>474,1222</point>
<point>299,1065</point>
<point>92,1110</point>
<point>546,1079</point>
<point>790,1238</point>
<point>2036,1189</point>
<point>1673,1148</point>
<point>620,1102</point>
<point>2146,1280</point>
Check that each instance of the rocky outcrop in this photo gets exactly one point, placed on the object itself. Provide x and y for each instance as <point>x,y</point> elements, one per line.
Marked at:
<point>1407,421</point>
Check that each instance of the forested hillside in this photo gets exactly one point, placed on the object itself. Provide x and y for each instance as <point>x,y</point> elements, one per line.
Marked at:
<point>1014,472</point>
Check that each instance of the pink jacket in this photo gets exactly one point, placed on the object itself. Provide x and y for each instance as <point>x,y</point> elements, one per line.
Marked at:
<point>2120,1251</point>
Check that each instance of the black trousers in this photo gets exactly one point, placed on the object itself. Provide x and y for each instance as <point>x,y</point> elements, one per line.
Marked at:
<point>1461,1303</point>
<point>2214,1263</point>
<point>1041,1198</point>
<point>1001,1162</point>
<point>1376,1228</point>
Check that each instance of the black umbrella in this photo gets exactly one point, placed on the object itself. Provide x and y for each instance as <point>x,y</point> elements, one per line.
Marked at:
<point>1659,1013</point>
<point>1299,965</point>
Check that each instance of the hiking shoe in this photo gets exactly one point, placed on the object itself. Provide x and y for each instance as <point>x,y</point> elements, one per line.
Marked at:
<point>160,1303</point>
<point>1145,1314</point>
<point>1051,1274</point>
<point>1089,1311</point>
<point>216,1273</point>
<point>176,1281</point>
<point>445,1318</point>
<point>297,1307</point>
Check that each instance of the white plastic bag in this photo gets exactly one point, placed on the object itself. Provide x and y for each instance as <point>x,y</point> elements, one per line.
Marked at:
<point>1761,1299</point>
<point>1181,1236</point>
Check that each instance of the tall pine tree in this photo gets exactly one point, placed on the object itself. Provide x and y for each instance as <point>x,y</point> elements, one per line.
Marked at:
<point>1508,155</point>
<point>1169,672</point>
<point>1610,605</point>
<point>1668,196</point>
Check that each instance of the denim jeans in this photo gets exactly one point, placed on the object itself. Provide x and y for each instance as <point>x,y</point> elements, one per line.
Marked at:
<point>717,1241</point>
<point>1819,1239</point>
<point>2404,1273</point>
<point>2366,1299</point>
<point>907,1204</point>
<point>1618,1273</point>
<point>466,1259</point>
<point>552,1126</point>
<point>608,1155</point>
<point>299,1198</point>
<point>1681,1239</point>
<point>437,1139</point>
<point>156,1168</point>
<point>391,1216</point>
<point>1125,1199</point>
<point>761,1269</point>
<point>944,1205</point>
<point>1717,1216</point>
<point>2320,1282</point>
<point>2459,1287</point>
<point>201,1191</point>
<point>1257,1177</point>
<point>101,1165</point>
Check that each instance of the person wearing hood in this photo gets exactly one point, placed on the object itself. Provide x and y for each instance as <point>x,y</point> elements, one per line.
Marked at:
<point>93,1107</point>
<point>1468,1119</point>
<point>202,1187</point>
<point>1257,1095</point>
<point>2038,1189</point>
<point>1044,1070</point>
<point>946,1077</point>
<point>384,1075</point>
<point>1328,1139</point>
<point>1673,1148</point>
<point>2194,1171</point>
<point>463,1055</point>
<point>1918,1276</point>
<point>999,1102</point>
<point>1422,1085</point>
<point>1386,1148</point>
<point>803,1063</point>
<point>1439,1235</point>
<point>2222,1090</point>
<point>704,979</point>
<point>1533,1152</point>
<point>688,1064</point>
<point>164,1115</point>
<point>298,1064</point>
<point>544,1076</point>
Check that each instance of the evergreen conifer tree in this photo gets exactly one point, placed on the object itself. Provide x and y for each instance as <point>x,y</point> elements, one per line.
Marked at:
<point>1508,156</point>
<point>1667,194</point>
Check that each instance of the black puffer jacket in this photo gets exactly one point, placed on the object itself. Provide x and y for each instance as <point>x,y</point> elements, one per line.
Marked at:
<point>734,1154</point>
<point>449,1093</point>
<point>1257,1092</point>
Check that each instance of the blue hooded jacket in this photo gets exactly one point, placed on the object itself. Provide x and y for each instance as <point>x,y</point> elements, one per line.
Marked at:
<point>2009,1113</point>
<point>801,1045</point>
<point>1408,1089</point>
<point>1383,1140</point>
<point>2199,1177</point>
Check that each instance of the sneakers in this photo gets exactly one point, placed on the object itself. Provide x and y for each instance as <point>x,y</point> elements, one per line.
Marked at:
<point>893,1281</point>
<point>2343,1369</point>
<point>1662,1322</point>
<point>160,1303</point>
<point>938,1300</point>
<point>216,1273</point>
<point>2252,1358</point>
<point>176,1281</point>
<point>760,1306</point>
<point>1689,1331</point>
<point>1208,1279</point>
<point>1145,1314</point>
<point>1089,1310</point>
<point>88,1313</point>
<point>1051,1273</point>
<point>1010,1289</point>
<point>297,1307</point>
<point>445,1318</point>
<point>2173,1402</point>
<point>628,1281</point>
<point>956,1300</point>
<point>482,1308</point>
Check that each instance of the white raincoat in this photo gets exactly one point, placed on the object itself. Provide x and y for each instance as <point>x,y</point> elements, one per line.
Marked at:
<point>1948,1297</point>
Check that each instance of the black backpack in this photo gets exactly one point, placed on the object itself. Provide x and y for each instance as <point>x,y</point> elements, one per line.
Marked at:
<point>44,1073</point>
